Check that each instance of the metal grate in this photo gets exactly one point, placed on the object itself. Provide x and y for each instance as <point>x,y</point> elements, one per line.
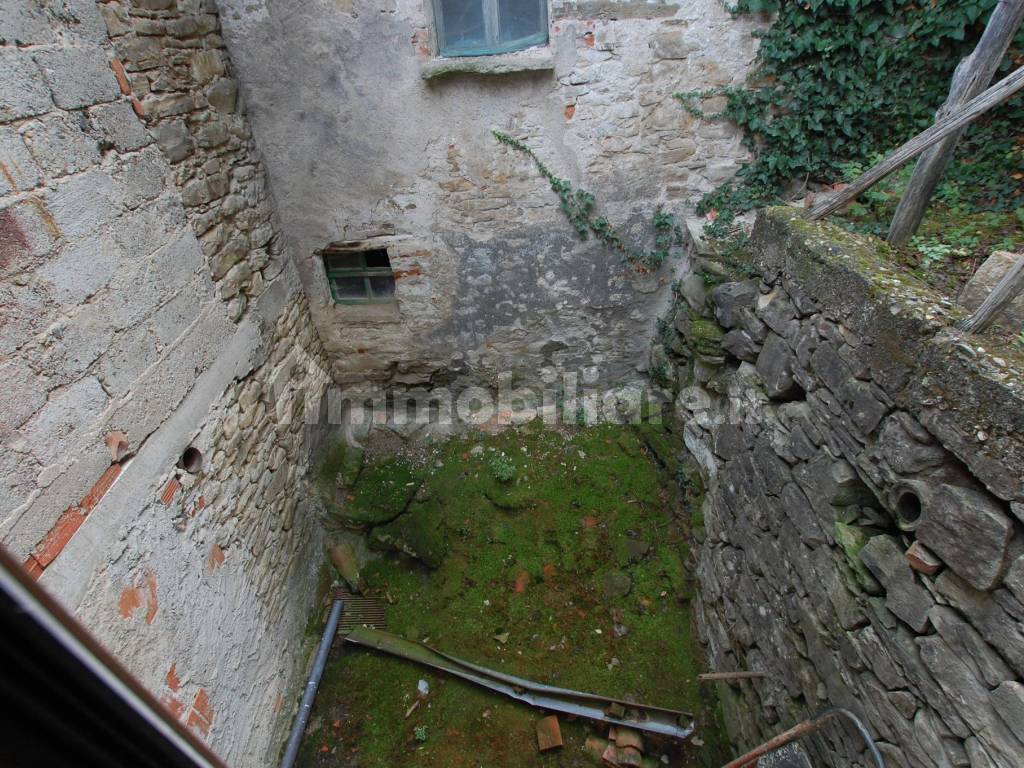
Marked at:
<point>359,611</point>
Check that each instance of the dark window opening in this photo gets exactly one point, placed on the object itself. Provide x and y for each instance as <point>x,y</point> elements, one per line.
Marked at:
<point>359,277</point>
<point>482,27</point>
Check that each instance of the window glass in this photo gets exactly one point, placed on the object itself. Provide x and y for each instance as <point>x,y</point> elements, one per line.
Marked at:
<point>463,25</point>
<point>519,19</point>
<point>382,286</point>
<point>377,259</point>
<point>347,288</point>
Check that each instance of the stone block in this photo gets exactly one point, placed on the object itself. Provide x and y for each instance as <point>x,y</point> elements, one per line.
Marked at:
<point>26,231</point>
<point>55,430</point>
<point>729,298</point>
<point>1008,702</point>
<point>83,203</point>
<point>23,23</point>
<point>774,366</point>
<point>969,645</point>
<point>223,95</point>
<point>167,105</point>
<point>23,392</point>
<point>174,140</point>
<point>907,599</point>
<point>985,279</point>
<point>18,171</point>
<point>62,145</point>
<point>206,65</point>
<point>739,344</point>
<point>119,126</point>
<point>969,532</point>
<point>78,76</point>
<point>74,343</point>
<point>23,89</point>
<point>81,269</point>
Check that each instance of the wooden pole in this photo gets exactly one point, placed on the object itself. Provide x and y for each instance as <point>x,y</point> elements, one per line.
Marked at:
<point>962,117</point>
<point>710,677</point>
<point>971,76</point>
<point>1006,290</point>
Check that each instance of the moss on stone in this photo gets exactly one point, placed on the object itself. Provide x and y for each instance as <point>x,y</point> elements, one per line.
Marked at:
<point>383,492</point>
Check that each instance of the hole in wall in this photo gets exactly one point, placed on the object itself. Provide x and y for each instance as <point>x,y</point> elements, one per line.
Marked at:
<point>191,460</point>
<point>908,509</point>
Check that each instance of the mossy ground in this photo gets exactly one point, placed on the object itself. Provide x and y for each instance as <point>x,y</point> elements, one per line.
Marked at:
<point>535,570</point>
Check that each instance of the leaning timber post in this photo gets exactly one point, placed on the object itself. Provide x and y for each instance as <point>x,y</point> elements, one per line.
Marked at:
<point>1006,290</point>
<point>957,120</point>
<point>972,76</point>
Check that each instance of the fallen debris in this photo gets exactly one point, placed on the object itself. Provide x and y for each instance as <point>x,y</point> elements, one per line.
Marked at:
<point>549,734</point>
<point>668,722</point>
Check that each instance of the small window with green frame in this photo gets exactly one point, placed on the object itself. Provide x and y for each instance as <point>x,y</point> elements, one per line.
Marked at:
<point>359,277</point>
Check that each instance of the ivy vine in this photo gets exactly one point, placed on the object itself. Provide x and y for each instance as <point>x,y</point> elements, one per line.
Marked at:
<point>841,81</point>
<point>578,206</point>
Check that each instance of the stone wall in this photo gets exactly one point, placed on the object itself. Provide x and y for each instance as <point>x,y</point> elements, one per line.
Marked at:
<point>172,63</point>
<point>125,340</point>
<point>491,277</point>
<point>864,525</point>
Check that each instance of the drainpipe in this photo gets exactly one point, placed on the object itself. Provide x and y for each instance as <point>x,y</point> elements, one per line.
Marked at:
<point>291,751</point>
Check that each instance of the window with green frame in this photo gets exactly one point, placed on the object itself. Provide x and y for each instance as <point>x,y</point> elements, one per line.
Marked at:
<point>359,277</point>
<point>483,27</point>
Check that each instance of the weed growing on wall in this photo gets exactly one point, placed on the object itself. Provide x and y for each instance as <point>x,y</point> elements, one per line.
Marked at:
<point>578,206</point>
<point>840,81</point>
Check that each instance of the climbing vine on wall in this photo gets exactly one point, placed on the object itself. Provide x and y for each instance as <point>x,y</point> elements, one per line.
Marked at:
<point>840,81</point>
<point>578,206</point>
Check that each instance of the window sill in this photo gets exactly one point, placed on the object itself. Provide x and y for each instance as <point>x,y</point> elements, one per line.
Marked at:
<point>531,60</point>
<point>366,313</point>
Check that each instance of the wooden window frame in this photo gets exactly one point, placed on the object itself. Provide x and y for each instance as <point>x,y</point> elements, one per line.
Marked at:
<point>491,30</point>
<point>362,271</point>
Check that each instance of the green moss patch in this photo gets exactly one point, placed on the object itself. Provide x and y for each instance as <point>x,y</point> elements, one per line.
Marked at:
<point>524,589</point>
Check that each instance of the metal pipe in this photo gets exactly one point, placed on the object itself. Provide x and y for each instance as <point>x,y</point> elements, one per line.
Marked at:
<point>802,729</point>
<point>291,751</point>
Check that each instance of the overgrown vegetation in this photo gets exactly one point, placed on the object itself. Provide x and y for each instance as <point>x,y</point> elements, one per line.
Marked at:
<point>579,577</point>
<point>838,82</point>
<point>578,206</point>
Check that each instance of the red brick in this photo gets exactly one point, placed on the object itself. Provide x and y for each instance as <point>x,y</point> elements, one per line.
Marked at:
<point>411,272</point>
<point>549,734</point>
<point>172,487</point>
<point>200,718</point>
<point>131,598</point>
<point>215,559</point>
<point>100,487</point>
<point>122,78</point>
<point>588,40</point>
<point>174,705</point>
<point>117,444</point>
<point>172,679</point>
<point>196,723</point>
<point>32,567</point>
<point>58,537</point>
<point>570,110</point>
<point>137,106</point>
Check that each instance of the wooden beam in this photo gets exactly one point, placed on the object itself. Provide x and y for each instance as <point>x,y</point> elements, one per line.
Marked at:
<point>1006,290</point>
<point>709,677</point>
<point>972,75</point>
<point>962,117</point>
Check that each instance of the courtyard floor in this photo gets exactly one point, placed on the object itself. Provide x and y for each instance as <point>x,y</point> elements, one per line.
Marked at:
<point>566,562</point>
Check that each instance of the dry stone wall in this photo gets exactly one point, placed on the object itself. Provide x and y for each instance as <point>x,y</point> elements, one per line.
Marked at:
<point>864,532</point>
<point>147,313</point>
